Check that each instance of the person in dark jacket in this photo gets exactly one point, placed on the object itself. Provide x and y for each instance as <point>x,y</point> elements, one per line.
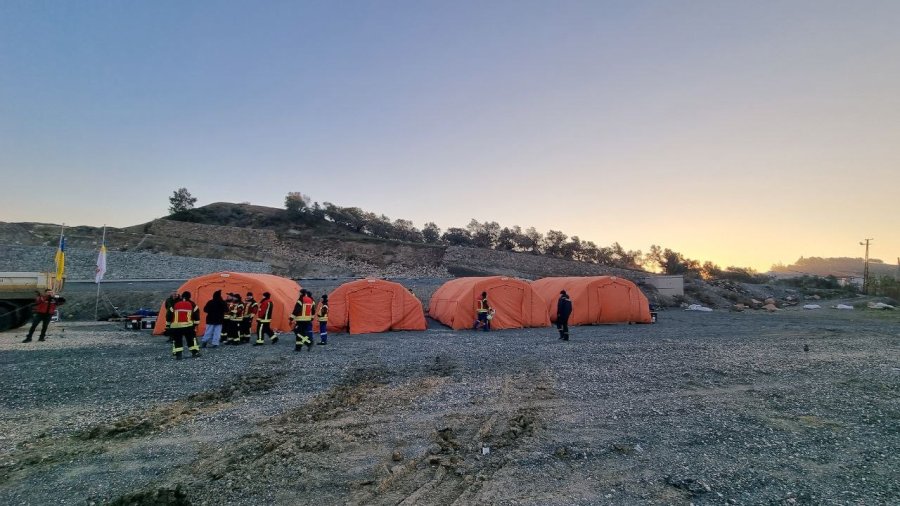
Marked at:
<point>170,301</point>
<point>44,307</point>
<point>215,310</point>
<point>563,311</point>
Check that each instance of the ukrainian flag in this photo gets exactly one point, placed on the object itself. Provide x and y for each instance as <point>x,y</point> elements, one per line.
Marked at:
<point>61,258</point>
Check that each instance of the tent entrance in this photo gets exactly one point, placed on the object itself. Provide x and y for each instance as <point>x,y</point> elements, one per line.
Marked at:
<point>509,303</point>
<point>369,310</point>
<point>615,303</point>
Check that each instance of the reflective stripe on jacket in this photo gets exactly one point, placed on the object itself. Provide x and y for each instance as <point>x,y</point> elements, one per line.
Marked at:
<point>303,310</point>
<point>264,313</point>
<point>184,314</point>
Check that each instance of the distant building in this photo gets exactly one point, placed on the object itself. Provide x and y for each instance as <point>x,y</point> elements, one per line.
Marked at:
<point>669,286</point>
<point>851,281</point>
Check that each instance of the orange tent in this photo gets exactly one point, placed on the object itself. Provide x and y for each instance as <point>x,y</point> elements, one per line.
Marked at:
<point>515,302</point>
<point>373,305</point>
<point>596,299</point>
<point>284,294</point>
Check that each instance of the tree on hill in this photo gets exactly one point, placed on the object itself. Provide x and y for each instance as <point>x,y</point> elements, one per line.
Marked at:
<point>431,233</point>
<point>296,202</point>
<point>181,200</point>
<point>672,262</point>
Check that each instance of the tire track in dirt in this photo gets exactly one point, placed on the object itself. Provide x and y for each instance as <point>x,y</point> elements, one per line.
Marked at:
<point>43,451</point>
<point>469,450</point>
<point>351,444</point>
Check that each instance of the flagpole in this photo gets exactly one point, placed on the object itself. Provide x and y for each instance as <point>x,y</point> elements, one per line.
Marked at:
<point>97,300</point>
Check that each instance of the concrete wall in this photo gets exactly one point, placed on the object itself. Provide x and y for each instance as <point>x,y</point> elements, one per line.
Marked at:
<point>81,264</point>
<point>669,286</point>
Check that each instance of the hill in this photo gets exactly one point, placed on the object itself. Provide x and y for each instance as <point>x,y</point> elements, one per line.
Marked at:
<point>302,245</point>
<point>836,266</point>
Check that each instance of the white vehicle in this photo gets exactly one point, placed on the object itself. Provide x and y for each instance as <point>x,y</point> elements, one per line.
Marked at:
<point>17,293</point>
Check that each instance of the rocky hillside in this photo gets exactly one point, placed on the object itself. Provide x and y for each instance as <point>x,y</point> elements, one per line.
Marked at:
<point>261,239</point>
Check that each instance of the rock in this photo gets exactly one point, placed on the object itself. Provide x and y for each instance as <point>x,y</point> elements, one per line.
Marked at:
<point>396,456</point>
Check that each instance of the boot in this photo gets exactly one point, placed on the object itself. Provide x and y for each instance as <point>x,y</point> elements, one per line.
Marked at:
<point>41,339</point>
<point>27,339</point>
<point>178,356</point>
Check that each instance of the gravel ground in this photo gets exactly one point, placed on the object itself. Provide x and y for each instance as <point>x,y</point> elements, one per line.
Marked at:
<point>703,408</point>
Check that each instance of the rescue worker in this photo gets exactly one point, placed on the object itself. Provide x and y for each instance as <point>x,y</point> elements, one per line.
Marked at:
<point>322,316</point>
<point>229,324</point>
<point>250,308</point>
<point>44,307</point>
<point>183,321</point>
<point>302,316</point>
<point>170,301</point>
<point>264,321</point>
<point>482,309</point>
<point>238,318</point>
<point>563,310</point>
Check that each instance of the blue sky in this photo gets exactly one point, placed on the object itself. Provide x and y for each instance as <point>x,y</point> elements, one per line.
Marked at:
<point>746,133</point>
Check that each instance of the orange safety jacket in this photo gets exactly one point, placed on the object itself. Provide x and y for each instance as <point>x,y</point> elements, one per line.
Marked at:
<point>184,314</point>
<point>264,312</point>
<point>322,313</point>
<point>483,306</point>
<point>45,305</point>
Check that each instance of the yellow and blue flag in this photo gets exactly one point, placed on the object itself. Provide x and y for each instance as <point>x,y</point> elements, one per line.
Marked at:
<point>61,258</point>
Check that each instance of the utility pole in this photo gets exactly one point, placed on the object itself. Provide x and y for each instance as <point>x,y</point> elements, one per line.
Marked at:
<point>866,267</point>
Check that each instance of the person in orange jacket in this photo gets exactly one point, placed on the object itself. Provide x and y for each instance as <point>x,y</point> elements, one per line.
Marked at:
<point>183,320</point>
<point>44,307</point>
<point>264,321</point>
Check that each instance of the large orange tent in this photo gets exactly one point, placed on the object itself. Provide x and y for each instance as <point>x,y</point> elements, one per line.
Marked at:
<point>374,305</point>
<point>284,295</point>
<point>596,299</point>
<point>515,302</point>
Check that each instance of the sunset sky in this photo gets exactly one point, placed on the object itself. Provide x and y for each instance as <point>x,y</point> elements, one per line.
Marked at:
<point>746,133</point>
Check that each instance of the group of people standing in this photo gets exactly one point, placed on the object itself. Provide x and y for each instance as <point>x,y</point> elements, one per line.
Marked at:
<point>232,317</point>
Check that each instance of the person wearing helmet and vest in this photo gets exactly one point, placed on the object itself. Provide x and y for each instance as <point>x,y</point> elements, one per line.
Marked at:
<point>302,316</point>
<point>235,315</point>
<point>264,321</point>
<point>483,311</point>
<point>183,320</point>
<point>250,308</point>
<point>322,316</point>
